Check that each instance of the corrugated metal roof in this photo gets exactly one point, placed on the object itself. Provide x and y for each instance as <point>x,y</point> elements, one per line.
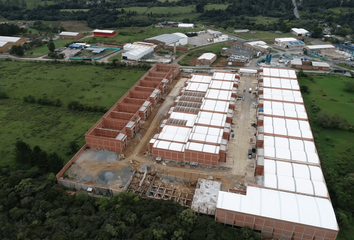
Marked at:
<point>167,38</point>
<point>72,34</point>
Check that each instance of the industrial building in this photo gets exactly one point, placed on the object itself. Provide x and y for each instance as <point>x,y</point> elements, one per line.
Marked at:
<point>290,199</point>
<point>288,42</point>
<point>241,31</point>
<point>70,35</point>
<point>186,25</point>
<point>309,65</point>
<point>206,59</point>
<point>7,42</point>
<point>299,32</point>
<point>239,55</point>
<point>197,128</point>
<point>258,46</point>
<point>122,121</point>
<point>318,49</point>
<point>104,33</point>
<point>173,39</point>
<point>136,51</point>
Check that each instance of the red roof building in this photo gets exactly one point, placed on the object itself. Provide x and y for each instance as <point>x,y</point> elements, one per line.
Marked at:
<point>104,33</point>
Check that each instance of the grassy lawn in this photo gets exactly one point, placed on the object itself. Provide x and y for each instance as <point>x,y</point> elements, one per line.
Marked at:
<point>345,66</point>
<point>31,3</point>
<point>335,147</point>
<point>188,60</point>
<point>40,51</point>
<point>263,20</point>
<point>52,128</point>
<point>215,6</point>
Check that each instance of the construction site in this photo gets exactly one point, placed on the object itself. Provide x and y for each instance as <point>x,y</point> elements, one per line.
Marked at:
<point>205,142</point>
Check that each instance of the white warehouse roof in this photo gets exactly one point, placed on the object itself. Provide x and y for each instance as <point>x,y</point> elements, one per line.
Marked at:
<point>286,39</point>
<point>277,72</point>
<point>224,76</point>
<point>324,46</point>
<point>291,207</point>
<point>285,110</point>
<point>211,119</point>
<point>207,56</point>
<point>103,31</point>
<point>199,147</point>
<point>186,25</point>
<point>222,85</point>
<point>72,34</point>
<point>197,87</point>
<point>287,127</point>
<point>294,177</point>
<point>169,38</point>
<point>175,134</point>
<point>221,95</point>
<point>9,39</point>
<point>190,118</point>
<point>200,78</point>
<point>282,95</point>
<point>283,83</point>
<point>290,149</point>
<point>206,134</point>
<point>166,145</point>
<point>299,30</point>
<point>215,106</point>
<point>320,64</point>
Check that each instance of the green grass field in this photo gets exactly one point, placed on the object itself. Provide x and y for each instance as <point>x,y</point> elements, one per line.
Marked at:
<point>31,3</point>
<point>40,51</point>
<point>335,147</point>
<point>52,128</point>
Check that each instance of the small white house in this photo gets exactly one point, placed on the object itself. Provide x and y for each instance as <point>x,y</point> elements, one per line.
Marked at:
<point>300,32</point>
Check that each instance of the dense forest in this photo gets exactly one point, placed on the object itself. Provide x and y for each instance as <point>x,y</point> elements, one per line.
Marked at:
<point>33,206</point>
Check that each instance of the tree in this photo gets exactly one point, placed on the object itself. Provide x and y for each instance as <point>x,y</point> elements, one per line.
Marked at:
<point>349,86</point>
<point>199,8</point>
<point>17,50</point>
<point>51,46</point>
<point>22,152</point>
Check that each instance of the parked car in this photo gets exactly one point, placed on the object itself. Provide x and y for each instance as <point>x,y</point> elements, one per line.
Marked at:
<point>250,90</point>
<point>249,153</point>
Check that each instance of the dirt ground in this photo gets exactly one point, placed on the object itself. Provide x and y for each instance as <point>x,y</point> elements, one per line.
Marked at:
<point>75,26</point>
<point>234,174</point>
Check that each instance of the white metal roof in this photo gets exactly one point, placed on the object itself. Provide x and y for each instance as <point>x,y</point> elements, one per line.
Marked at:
<point>246,70</point>
<point>197,87</point>
<point>2,43</point>
<point>253,43</point>
<point>199,147</point>
<point>6,39</point>
<point>222,85</point>
<point>324,46</point>
<point>296,61</point>
<point>186,25</point>
<point>287,127</point>
<point>215,106</point>
<point>281,109</point>
<point>206,134</point>
<point>279,72</point>
<point>320,64</point>
<point>282,95</point>
<point>294,177</point>
<point>299,30</point>
<point>190,118</point>
<point>286,39</point>
<point>211,119</point>
<point>207,56</point>
<point>281,83</point>
<point>73,34</point>
<point>103,31</point>
<point>290,149</point>
<point>175,134</point>
<point>168,38</point>
<point>218,95</point>
<point>200,78</point>
<point>166,145</point>
<point>224,76</point>
<point>292,207</point>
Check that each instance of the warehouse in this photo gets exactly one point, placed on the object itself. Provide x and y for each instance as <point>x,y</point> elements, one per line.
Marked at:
<point>289,42</point>
<point>136,51</point>
<point>186,25</point>
<point>309,65</point>
<point>7,42</point>
<point>70,35</point>
<point>173,39</point>
<point>259,46</point>
<point>318,49</point>
<point>206,59</point>
<point>104,33</point>
<point>198,126</point>
<point>299,32</point>
<point>288,170</point>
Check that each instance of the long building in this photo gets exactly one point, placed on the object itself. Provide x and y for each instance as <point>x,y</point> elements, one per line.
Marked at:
<point>7,42</point>
<point>290,199</point>
<point>197,128</point>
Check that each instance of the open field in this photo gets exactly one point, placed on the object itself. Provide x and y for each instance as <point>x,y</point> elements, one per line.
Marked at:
<point>335,147</point>
<point>31,3</point>
<point>263,20</point>
<point>40,51</point>
<point>52,128</point>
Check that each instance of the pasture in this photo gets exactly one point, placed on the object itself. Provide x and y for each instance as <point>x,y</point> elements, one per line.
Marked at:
<point>50,127</point>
